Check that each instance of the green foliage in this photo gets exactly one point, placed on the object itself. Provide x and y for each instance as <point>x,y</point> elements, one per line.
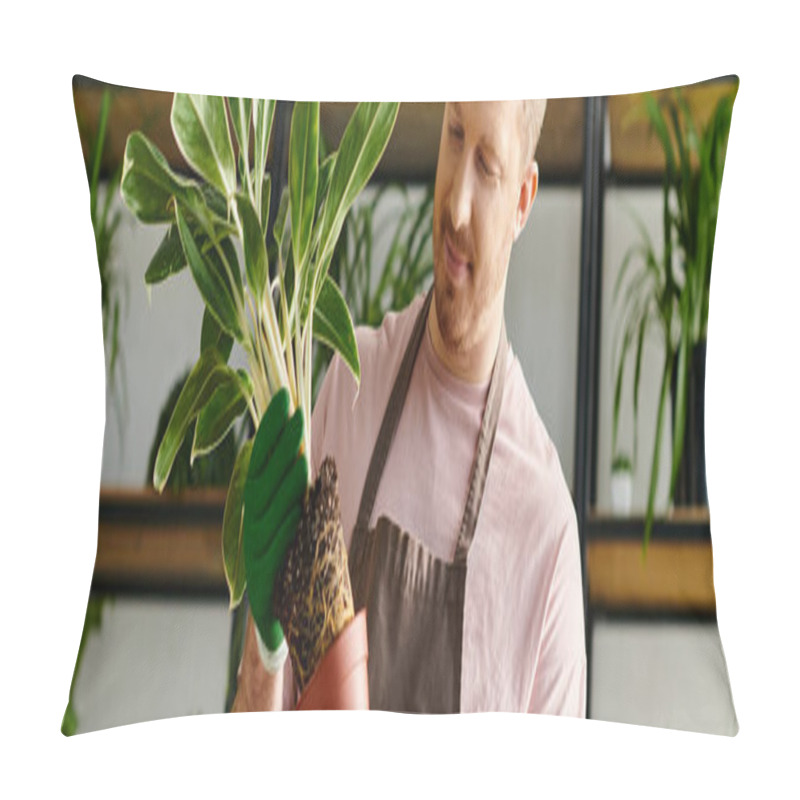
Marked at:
<point>91,622</point>
<point>622,463</point>
<point>213,469</point>
<point>105,223</point>
<point>232,533</point>
<point>408,264</point>
<point>673,297</point>
<point>282,300</point>
<point>406,269</point>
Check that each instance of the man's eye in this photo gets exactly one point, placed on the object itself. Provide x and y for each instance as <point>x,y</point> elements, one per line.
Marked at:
<point>487,170</point>
<point>456,132</point>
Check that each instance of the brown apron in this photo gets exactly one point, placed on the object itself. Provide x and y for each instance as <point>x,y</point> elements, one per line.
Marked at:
<point>414,600</point>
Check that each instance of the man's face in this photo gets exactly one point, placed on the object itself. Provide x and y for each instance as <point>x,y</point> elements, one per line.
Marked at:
<point>476,198</point>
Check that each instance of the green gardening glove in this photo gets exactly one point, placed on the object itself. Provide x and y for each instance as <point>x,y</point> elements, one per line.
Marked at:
<point>273,503</point>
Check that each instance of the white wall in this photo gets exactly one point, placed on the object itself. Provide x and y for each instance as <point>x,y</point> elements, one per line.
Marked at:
<point>542,312</point>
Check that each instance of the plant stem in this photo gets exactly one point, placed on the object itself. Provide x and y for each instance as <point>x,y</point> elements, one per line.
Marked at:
<point>258,366</point>
<point>266,331</point>
<point>306,386</point>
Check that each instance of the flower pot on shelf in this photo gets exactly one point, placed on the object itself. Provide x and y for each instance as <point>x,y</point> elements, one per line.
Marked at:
<point>621,492</point>
<point>341,681</point>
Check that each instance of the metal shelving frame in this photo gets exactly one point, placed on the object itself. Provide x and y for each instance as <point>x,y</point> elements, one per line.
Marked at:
<point>591,527</point>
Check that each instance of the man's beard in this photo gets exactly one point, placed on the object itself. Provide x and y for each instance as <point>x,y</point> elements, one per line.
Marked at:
<point>453,305</point>
<point>452,315</point>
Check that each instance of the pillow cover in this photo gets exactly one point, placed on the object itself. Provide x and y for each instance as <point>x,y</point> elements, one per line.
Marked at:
<point>163,558</point>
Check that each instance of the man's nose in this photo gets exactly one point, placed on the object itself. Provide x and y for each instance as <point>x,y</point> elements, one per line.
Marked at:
<point>461,196</point>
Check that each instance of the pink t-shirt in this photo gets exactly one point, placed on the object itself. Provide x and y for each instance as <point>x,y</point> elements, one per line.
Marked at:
<point>523,642</point>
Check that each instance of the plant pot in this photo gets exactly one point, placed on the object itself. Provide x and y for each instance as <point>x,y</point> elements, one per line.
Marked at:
<point>341,681</point>
<point>690,485</point>
<point>621,493</point>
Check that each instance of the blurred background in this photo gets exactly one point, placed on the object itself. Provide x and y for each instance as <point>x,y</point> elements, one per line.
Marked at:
<point>158,636</point>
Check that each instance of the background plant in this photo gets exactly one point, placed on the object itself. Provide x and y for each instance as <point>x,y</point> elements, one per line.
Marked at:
<point>669,291</point>
<point>92,621</point>
<point>273,310</point>
<point>105,223</point>
<point>409,258</point>
<point>213,469</point>
<point>394,219</point>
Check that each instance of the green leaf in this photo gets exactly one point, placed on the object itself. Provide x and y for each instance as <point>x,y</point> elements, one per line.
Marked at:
<point>280,228</point>
<point>203,379</point>
<point>618,389</point>
<point>363,142</point>
<point>325,172</point>
<point>211,335</point>
<point>263,114</point>
<point>226,404</point>
<point>303,176</point>
<point>148,184</point>
<point>168,259</point>
<point>216,207</point>
<point>255,251</point>
<point>334,327</point>
<point>659,125</point>
<point>241,109</point>
<point>214,281</point>
<point>651,494</point>
<point>266,194</point>
<point>680,408</point>
<point>637,374</point>
<point>200,127</point>
<point>232,551</point>
<point>97,150</point>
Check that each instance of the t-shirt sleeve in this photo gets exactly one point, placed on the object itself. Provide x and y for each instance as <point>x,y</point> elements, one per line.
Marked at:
<point>559,683</point>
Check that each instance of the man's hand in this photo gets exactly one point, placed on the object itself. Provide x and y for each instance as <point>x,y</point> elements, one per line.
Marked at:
<point>273,496</point>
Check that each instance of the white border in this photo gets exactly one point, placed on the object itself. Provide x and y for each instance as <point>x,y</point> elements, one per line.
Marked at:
<point>53,385</point>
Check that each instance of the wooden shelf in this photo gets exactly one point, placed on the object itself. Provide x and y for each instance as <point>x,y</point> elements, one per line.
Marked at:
<point>636,152</point>
<point>685,523</point>
<point>410,155</point>
<point>673,576</point>
<point>131,110</point>
<point>160,543</point>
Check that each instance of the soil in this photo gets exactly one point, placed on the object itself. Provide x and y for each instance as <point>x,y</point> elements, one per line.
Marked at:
<point>313,596</point>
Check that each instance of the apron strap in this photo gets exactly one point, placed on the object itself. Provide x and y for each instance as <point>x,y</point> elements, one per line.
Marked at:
<point>480,464</point>
<point>391,417</point>
<point>483,452</point>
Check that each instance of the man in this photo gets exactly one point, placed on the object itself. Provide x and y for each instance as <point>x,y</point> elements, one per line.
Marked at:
<point>461,532</point>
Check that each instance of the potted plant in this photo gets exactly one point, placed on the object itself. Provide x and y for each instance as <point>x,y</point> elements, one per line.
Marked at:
<point>621,485</point>
<point>273,311</point>
<point>669,292</point>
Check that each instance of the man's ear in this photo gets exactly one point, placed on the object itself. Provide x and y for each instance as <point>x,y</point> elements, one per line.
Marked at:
<point>527,194</point>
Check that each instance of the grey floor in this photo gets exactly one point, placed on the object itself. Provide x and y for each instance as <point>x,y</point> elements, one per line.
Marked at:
<point>154,659</point>
<point>666,674</point>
